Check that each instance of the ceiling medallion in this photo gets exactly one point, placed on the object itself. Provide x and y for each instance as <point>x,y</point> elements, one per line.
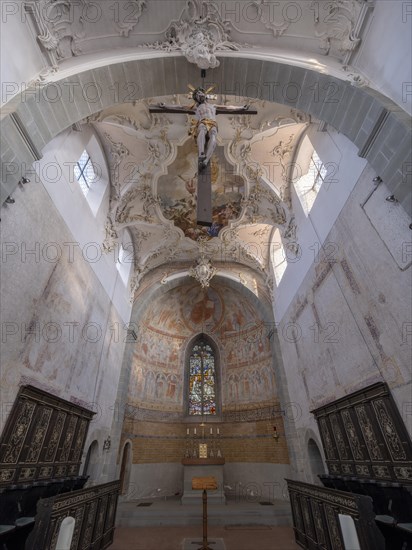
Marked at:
<point>203,271</point>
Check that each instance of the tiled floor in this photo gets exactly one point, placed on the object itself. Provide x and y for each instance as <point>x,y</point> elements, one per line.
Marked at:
<point>235,538</point>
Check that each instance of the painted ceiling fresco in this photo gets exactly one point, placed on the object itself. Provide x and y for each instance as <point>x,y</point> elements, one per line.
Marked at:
<point>153,168</point>
<point>177,192</point>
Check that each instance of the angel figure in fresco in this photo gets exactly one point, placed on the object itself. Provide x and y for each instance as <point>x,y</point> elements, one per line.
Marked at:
<point>204,126</point>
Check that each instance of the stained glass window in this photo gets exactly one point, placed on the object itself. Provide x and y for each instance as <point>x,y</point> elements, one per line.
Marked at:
<point>202,380</point>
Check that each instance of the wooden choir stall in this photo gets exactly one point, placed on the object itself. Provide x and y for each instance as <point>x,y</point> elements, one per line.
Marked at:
<point>366,502</point>
<point>42,494</point>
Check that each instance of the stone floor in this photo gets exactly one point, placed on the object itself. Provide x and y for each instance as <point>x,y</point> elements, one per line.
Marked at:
<point>166,524</point>
<point>243,537</point>
<point>171,512</point>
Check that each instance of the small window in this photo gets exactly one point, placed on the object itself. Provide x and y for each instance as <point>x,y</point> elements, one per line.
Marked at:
<point>84,172</point>
<point>317,171</point>
<point>279,257</point>
<point>125,261</point>
<point>309,184</point>
<point>202,380</point>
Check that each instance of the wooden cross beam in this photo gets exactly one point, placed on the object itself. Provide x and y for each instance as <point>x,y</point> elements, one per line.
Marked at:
<point>205,133</point>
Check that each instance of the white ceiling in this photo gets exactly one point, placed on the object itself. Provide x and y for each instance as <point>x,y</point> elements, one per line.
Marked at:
<point>152,160</point>
<point>154,176</point>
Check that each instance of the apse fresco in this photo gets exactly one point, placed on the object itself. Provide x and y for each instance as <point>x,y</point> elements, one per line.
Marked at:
<point>177,192</point>
<point>170,323</point>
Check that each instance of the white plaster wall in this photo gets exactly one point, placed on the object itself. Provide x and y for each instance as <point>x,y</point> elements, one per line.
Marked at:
<point>154,481</point>
<point>384,56</point>
<point>21,59</point>
<point>313,228</point>
<point>56,317</point>
<point>55,172</point>
<point>352,324</point>
<point>256,481</point>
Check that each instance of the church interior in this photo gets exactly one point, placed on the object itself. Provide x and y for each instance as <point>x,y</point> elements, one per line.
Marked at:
<point>239,383</point>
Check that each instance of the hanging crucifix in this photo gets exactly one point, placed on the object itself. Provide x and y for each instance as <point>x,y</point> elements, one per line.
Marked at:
<point>204,129</point>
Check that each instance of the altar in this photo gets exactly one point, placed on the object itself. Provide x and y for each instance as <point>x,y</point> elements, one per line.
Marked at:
<point>203,467</point>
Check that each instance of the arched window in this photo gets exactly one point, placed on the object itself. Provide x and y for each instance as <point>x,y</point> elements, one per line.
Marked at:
<point>202,379</point>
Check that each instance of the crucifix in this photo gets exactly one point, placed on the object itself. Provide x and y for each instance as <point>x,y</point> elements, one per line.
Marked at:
<point>204,129</point>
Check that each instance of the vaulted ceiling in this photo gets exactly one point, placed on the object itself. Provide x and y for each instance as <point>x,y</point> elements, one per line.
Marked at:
<point>153,166</point>
<point>152,160</point>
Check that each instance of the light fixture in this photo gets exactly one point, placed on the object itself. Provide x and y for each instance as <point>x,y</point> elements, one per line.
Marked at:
<point>275,434</point>
<point>9,200</point>
<point>25,180</point>
<point>203,271</point>
<point>377,180</point>
<point>391,198</point>
<point>107,444</point>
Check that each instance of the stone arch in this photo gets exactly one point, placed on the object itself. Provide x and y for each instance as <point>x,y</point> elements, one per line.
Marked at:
<point>370,120</point>
<point>125,467</point>
<point>91,462</point>
<point>315,460</point>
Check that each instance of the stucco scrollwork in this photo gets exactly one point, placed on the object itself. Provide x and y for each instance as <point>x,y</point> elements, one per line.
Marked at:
<point>253,204</point>
<point>265,15</point>
<point>337,30</point>
<point>118,152</point>
<point>200,33</point>
<point>149,203</point>
<point>290,237</point>
<point>111,237</point>
<point>127,22</point>
<point>59,25</point>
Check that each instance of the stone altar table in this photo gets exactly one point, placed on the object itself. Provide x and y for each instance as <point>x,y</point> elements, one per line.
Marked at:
<point>203,467</point>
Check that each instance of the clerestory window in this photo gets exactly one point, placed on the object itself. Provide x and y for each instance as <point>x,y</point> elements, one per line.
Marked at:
<point>84,172</point>
<point>317,172</point>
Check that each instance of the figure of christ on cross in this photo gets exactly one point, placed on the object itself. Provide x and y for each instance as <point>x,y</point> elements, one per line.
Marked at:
<point>204,129</point>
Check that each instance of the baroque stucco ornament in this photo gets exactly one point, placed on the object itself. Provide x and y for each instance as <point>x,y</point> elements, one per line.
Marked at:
<point>199,34</point>
<point>203,271</point>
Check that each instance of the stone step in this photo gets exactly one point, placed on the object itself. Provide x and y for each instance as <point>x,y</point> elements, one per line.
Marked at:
<point>129,514</point>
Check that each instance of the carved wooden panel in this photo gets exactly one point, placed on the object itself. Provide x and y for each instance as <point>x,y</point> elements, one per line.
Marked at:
<point>364,436</point>
<point>43,438</point>
<point>316,510</point>
<point>94,512</point>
